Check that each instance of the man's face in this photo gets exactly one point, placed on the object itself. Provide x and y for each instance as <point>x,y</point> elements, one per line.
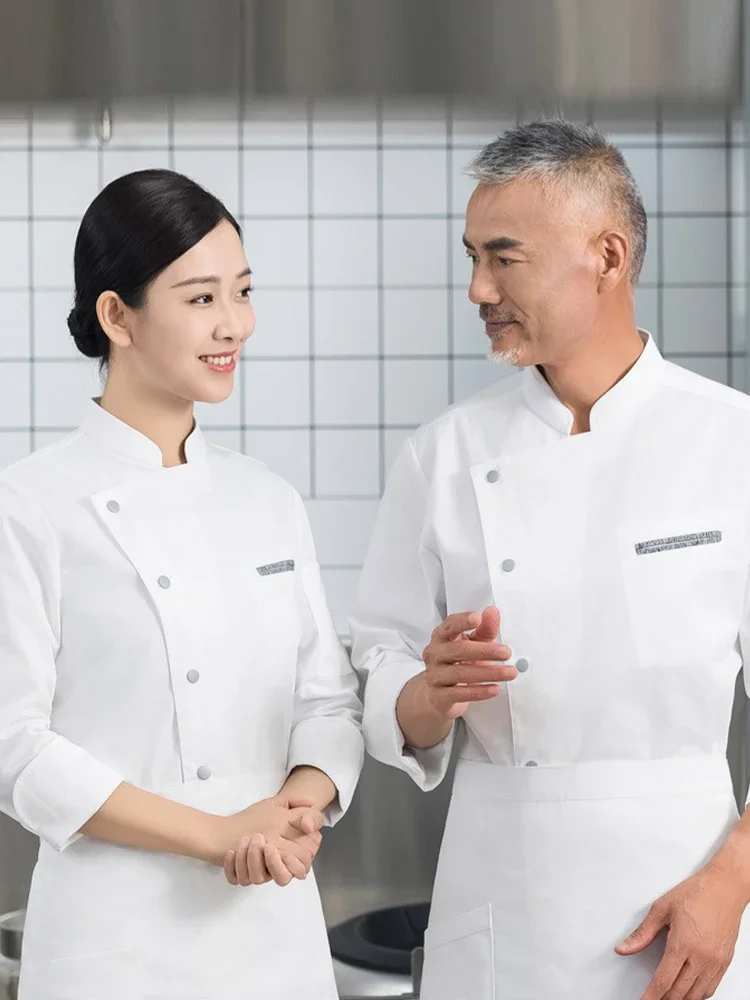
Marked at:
<point>535,271</point>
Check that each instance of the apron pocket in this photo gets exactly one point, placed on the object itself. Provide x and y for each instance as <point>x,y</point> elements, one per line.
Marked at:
<point>459,957</point>
<point>105,974</point>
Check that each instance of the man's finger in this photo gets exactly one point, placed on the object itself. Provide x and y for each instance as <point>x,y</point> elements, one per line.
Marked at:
<point>488,628</point>
<point>446,698</point>
<point>683,983</point>
<point>666,973</point>
<point>471,674</point>
<point>469,652</point>
<point>645,932</point>
<point>706,983</point>
<point>456,624</point>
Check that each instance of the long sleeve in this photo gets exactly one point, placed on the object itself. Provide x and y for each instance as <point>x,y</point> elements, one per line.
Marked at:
<point>401,600</point>
<point>47,784</point>
<point>326,728</point>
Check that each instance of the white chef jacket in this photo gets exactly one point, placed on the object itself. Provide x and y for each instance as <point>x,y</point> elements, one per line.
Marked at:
<point>619,562</point>
<point>166,627</point>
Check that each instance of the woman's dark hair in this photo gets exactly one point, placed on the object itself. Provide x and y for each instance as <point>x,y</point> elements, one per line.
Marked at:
<point>135,228</point>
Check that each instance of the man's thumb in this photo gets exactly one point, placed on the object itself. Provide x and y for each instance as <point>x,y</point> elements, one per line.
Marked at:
<point>645,932</point>
<point>489,627</point>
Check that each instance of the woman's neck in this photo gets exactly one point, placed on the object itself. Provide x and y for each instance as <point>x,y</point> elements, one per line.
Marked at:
<point>167,422</point>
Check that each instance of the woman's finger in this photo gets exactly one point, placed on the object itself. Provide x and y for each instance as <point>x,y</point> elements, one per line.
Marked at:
<point>241,862</point>
<point>308,821</point>
<point>256,862</point>
<point>230,870</point>
<point>279,872</point>
<point>295,866</point>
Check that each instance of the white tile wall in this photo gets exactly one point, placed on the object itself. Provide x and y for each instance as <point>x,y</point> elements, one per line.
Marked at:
<point>353,219</point>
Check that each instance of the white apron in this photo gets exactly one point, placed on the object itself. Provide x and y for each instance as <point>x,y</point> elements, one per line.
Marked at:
<point>595,781</point>
<point>557,863</point>
<point>112,923</point>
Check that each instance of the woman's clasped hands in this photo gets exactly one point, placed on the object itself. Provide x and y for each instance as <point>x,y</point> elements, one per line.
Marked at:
<point>275,839</point>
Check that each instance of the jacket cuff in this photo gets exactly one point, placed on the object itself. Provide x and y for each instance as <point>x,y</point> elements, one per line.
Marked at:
<point>334,746</point>
<point>60,790</point>
<point>383,736</point>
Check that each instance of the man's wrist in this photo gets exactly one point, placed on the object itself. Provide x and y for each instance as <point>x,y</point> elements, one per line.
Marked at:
<point>422,726</point>
<point>732,860</point>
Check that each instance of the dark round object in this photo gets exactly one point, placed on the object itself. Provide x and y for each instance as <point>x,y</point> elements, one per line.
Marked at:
<point>11,933</point>
<point>381,940</point>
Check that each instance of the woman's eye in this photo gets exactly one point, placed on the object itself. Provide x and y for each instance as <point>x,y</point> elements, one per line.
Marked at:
<point>245,293</point>
<point>203,299</point>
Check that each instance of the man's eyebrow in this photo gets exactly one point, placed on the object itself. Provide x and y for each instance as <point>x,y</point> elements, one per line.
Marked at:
<point>499,243</point>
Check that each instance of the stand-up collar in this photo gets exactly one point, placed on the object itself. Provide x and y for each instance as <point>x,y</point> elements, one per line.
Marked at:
<point>613,408</point>
<point>115,435</point>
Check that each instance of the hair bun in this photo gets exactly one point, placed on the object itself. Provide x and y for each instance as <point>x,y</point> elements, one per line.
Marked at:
<point>86,333</point>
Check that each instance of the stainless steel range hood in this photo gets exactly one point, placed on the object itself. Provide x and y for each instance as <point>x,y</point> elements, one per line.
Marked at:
<point>682,51</point>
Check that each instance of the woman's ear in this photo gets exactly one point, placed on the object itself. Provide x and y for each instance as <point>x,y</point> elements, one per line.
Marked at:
<point>112,314</point>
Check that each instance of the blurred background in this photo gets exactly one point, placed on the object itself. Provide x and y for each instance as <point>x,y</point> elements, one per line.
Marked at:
<point>338,133</point>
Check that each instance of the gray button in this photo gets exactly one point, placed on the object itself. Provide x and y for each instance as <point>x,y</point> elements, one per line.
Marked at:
<point>113,507</point>
<point>164,582</point>
<point>509,565</point>
<point>204,772</point>
<point>522,665</point>
<point>492,476</point>
<point>531,763</point>
<point>192,676</point>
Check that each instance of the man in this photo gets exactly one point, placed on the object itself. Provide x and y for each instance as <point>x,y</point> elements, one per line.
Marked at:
<point>561,564</point>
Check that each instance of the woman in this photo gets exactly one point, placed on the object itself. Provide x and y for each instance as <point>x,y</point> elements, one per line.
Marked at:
<point>177,715</point>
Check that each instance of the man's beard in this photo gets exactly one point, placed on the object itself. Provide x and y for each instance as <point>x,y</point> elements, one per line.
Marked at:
<point>510,356</point>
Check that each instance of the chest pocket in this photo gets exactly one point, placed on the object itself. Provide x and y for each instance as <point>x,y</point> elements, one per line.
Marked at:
<point>684,577</point>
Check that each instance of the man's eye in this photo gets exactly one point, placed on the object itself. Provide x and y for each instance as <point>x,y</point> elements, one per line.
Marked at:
<point>474,260</point>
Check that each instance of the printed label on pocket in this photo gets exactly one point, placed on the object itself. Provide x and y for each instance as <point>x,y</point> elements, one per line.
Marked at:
<point>677,542</point>
<point>285,566</point>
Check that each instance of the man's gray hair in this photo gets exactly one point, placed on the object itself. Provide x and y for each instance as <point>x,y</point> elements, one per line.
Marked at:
<point>565,155</point>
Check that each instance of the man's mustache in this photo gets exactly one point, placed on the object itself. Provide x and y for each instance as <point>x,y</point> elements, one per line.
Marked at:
<point>488,315</point>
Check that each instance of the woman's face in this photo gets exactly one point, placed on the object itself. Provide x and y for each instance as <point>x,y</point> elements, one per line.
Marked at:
<point>187,338</point>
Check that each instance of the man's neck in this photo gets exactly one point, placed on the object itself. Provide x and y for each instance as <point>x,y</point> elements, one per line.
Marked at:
<point>580,381</point>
